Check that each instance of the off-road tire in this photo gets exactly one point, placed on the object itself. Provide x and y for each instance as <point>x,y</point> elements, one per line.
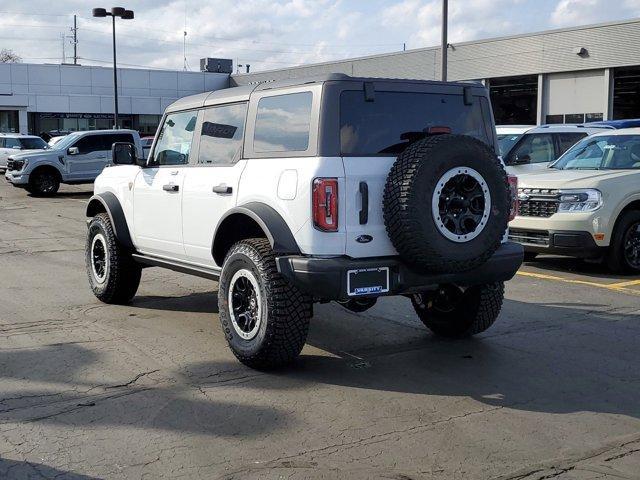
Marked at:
<point>473,312</point>
<point>408,199</point>
<point>615,257</point>
<point>122,273</point>
<point>285,310</point>
<point>35,186</point>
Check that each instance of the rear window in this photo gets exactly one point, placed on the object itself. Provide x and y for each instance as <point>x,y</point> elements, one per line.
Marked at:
<point>386,125</point>
<point>283,123</point>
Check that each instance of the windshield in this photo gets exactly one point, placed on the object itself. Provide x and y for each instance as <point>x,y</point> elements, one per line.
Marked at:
<point>65,142</point>
<point>386,125</point>
<point>607,152</point>
<point>507,141</point>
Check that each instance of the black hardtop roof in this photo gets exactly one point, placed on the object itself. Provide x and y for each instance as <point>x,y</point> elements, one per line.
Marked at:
<point>238,94</point>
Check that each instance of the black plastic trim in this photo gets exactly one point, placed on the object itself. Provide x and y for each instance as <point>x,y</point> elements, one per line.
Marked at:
<point>325,278</point>
<point>210,273</point>
<point>275,228</point>
<point>118,221</point>
<point>570,243</point>
<point>364,196</point>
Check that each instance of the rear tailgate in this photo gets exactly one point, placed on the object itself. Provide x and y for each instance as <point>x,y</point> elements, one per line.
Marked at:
<point>368,239</point>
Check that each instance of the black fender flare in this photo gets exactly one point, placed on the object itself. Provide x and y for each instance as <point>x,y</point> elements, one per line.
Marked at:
<point>270,221</point>
<point>112,206</point>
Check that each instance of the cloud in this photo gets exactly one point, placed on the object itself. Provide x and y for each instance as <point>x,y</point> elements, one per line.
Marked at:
<point>577,12</point>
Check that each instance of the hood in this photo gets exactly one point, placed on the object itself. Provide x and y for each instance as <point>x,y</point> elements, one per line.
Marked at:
<point>552,178</point>
<point>33,154</point>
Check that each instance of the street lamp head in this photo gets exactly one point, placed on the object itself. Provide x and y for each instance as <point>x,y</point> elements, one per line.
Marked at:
<point>117,11</point>
<point>127,15</point>
<point>99,12</point>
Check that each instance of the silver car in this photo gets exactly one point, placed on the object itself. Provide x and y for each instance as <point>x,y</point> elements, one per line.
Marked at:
<point>11,143</point>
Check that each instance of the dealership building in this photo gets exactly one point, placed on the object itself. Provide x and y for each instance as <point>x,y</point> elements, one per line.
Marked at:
<point>38,98</point>
<point>571,75</point>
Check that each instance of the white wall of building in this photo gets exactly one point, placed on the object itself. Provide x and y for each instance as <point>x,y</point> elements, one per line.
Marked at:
<point>88,89</point>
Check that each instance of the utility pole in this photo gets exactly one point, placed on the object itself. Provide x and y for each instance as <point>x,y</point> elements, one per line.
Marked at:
<point>63,37</point>
<point>184,50</point>
<point>445,43</point>
<point>75,39</point>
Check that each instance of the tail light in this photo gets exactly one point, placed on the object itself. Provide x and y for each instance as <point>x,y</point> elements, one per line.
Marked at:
<point>513,191</point>
<point>325,204</point>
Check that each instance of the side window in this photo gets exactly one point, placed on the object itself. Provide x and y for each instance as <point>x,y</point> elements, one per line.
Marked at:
<point>535,148</point>
<point>11,142</point>
<point>567,140</point>
<point>90,143</point>
<point>283,122</point>
<point>222,133</point>
<point>109,140</point>
<point>174,141</point>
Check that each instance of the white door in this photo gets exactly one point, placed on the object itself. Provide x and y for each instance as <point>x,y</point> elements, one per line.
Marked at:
<point>157,194</point>
<point>211,183</point>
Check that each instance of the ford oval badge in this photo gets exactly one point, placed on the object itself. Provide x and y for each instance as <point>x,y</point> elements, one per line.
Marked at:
<point>364,239</point>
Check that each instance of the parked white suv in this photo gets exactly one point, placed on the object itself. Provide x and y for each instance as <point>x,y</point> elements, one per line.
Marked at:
<point>12,143</point>
<point>587,204</point>
<point>527,149</point>
<point>291,193</point>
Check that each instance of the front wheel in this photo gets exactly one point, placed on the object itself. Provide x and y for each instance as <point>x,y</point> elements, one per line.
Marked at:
<point>624,252</point>
<point>455,313</point>
<point>114,276</point>
<point>43,183</point>
<point>265,319</point>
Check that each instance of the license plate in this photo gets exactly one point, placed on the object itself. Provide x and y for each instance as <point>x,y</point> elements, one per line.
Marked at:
<point>368,281</point>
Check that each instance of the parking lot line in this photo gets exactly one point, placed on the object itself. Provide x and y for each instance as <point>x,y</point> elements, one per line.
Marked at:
<point>616,287</point>
<point>625,284</point>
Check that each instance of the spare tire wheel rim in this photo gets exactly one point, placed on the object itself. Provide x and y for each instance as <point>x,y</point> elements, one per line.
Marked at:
<point>99,258</point>
<point>461,204</point>
<point>245,304</point>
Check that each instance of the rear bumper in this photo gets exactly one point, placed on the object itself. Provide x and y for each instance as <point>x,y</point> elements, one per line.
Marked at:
<point>326,278</point>
<point>557,242</point>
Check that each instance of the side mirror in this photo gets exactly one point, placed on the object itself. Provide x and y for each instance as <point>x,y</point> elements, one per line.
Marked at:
<point>124,153</point>
<point>519,160</point>
<point>73,151</point>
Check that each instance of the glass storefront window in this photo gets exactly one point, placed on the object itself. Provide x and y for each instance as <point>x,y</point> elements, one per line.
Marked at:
<point>9,121</point>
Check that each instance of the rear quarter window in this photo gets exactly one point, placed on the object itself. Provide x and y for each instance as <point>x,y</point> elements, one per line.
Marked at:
<point>386,125</point>
<point>283,123</point>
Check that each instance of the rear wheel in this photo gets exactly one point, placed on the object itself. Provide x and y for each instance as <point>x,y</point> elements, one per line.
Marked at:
<point>114,276</point>
<point>453,312</point>
<point>265,319</point>
<point>44,182</point>
<point>624,252</point>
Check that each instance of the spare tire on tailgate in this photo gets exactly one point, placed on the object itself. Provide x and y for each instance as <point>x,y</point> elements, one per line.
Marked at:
<point>446,204</point>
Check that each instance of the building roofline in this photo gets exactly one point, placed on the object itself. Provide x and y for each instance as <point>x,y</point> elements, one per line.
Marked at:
<point>432,48</point>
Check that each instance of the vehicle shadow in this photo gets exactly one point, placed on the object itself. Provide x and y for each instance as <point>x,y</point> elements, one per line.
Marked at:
<point>560,362</point>
<point>589,268</point>
<point>142,401</point>
<point>78,195</point>
<point>24,469</point>
<point>202,302</point>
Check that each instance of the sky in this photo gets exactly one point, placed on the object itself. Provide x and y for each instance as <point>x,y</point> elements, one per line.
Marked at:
<point>269,34</point>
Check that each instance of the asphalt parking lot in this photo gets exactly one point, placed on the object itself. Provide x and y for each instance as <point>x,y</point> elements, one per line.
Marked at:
<point>150,390</point>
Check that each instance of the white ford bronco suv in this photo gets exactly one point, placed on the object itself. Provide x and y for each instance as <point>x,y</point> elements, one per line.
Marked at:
<point>587,204</point>
<point>335,189</point>
<point>77,158</point>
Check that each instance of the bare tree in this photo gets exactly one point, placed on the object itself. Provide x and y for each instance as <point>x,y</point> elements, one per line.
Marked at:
<point>9,56</point>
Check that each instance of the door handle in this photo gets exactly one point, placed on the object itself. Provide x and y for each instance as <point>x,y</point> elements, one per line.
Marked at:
<point>223,189</point>
<point>171,187</point>
<point>364,211</point>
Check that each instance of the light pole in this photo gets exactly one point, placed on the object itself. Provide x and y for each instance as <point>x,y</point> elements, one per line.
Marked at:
<point>124,15</point>
<point>445,43</point>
